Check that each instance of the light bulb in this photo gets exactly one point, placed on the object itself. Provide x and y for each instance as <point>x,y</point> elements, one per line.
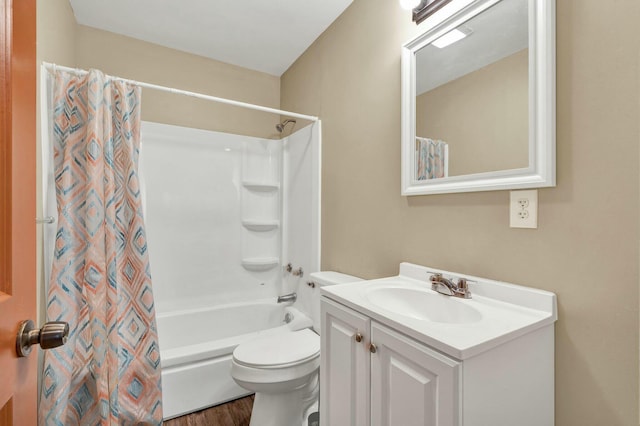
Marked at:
<point>409,4</point>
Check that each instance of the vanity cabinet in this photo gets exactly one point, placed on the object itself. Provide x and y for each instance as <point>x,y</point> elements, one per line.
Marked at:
<point>411,384</point>
<point>345,365</point>
<point>373,375</point>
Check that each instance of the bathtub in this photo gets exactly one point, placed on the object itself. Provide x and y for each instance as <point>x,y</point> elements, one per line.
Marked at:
<point>196,347</point>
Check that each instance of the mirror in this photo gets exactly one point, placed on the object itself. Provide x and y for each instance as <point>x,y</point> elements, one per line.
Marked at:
<point>478,100</point>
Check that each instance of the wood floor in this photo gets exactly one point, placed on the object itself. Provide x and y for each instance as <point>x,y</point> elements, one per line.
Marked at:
<point>234,413</point>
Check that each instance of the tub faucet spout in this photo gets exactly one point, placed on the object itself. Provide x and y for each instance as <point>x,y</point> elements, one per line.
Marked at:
<point>291,297</point>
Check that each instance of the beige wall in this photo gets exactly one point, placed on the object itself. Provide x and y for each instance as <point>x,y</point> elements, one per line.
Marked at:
<point>56,32</point>
<point>483,116</point>
<point>586,247</point>
<point>138,60</point>
<point>62,41</point>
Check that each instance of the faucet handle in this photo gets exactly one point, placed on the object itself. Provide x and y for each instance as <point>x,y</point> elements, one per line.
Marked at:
<point>463,288</point>
<point>463,283</point>
<point>435,276</point>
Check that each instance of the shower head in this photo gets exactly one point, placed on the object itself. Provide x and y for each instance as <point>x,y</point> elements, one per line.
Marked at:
<point>280,126</point>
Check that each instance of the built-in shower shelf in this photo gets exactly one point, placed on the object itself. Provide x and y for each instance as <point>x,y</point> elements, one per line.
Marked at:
<point>260,263</point>
<point>261,186</point>
<point>260,225</point>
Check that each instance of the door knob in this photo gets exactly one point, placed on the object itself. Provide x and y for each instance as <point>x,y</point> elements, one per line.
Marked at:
<point>373,348</point>
<point>51,335</point>
<point>358,337</point>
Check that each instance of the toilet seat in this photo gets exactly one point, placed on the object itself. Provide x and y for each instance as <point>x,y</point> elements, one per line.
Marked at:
<point>277,363</point>
<point>279,351</point>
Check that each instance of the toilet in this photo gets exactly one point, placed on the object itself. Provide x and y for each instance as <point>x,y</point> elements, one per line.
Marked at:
<point>282,369</point>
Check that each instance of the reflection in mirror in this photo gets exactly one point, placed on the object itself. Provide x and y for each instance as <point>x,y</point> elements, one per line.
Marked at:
<point>472,96</point>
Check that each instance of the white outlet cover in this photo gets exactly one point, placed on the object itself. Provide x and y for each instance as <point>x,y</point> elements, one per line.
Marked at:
<point>516,217</point>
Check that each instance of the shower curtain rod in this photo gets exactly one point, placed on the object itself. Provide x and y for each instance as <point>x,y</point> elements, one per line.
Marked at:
<point>51,67</point>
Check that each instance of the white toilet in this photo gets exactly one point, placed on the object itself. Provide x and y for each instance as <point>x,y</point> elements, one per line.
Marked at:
<point>282,369</point>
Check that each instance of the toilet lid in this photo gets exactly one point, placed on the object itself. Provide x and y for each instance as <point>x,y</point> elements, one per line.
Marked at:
<point>279,349</point>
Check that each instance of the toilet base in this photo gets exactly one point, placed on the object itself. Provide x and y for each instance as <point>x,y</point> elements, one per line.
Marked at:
<point>286,408</point>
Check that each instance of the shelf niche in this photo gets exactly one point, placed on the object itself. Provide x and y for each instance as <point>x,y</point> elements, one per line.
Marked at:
<point>260,263</point>
<point>261,225</point>
<point>261,186</point>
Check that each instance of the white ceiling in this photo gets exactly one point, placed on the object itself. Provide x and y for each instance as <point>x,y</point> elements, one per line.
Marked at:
<point>263,35</point>
<point>498,32</point>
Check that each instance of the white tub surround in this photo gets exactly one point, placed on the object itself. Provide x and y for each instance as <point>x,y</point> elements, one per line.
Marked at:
<point>224,213</point>
<point>301,204</point>
<point>408,355</point>
<point>195,201</point>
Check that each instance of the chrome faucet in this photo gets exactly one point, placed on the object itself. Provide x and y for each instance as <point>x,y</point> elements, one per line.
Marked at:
<point>447,287</point>
<point>291,297</point>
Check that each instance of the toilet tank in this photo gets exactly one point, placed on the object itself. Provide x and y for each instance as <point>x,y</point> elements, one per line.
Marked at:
<point>321,279</point>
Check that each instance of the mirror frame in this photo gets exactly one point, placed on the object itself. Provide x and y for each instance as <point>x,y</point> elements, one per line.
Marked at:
<point>541,171</point>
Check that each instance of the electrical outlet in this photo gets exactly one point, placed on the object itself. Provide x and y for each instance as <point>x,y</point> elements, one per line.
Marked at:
<point>523,209</point>
<point>523,203</point>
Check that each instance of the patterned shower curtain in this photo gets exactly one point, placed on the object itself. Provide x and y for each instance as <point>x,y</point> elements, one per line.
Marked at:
<point>108,373</point>
<point>430,159</point>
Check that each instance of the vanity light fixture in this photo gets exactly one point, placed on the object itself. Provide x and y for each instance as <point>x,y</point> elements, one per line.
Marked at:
<point>452,36</point>
<point>424,8</point>
<point>409,4</point>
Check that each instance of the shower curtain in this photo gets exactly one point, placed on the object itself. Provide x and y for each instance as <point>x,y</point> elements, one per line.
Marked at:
<point>431,159</point>
<point>108,373</point>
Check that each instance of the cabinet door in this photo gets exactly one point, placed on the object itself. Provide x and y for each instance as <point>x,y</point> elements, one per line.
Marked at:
<point>345,366</point>
<point>411,385</point>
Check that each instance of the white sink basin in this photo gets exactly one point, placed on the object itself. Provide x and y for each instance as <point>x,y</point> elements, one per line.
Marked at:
<point>462,328</point>
<point>423,305</point>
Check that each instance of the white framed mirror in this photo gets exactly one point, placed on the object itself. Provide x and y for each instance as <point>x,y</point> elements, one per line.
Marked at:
<point>478,100</point>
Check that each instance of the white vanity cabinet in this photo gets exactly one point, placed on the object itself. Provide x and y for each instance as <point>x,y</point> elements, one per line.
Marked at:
<point>376,371</point>
<point>373,375</point>
<point>344,366</point>
<point>411,384</point>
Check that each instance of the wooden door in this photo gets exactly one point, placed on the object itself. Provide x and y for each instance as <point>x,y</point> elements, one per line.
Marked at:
<point>411,384</point>
<point>18,403</point>
<point>344,366</point>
